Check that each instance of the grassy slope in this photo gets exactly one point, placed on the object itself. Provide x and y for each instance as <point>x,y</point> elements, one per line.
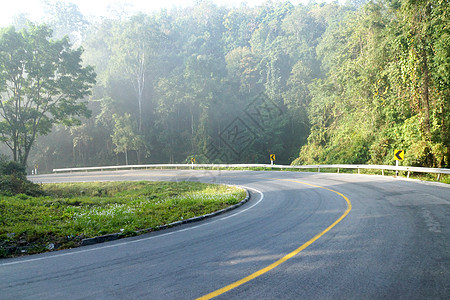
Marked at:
<point>75,211</point>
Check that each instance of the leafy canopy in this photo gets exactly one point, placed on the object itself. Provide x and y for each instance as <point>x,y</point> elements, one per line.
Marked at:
<point>41,81</point>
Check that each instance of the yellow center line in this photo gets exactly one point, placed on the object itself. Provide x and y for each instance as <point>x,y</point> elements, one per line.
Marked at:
<point>288,256</point>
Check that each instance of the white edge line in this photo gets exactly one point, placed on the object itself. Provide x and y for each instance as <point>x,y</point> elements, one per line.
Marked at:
<point>244,210</point>
<point>134,241</point>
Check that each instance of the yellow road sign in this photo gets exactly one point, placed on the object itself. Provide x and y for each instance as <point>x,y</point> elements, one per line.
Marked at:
<point>399,155</point>
<point>272,157</point>
<point>193,160</point>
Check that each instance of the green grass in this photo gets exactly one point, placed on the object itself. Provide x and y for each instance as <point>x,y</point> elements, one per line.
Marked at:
<point>74,211</point>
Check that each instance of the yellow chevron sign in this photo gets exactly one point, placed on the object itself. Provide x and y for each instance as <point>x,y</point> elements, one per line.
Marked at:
<point>399,154</point>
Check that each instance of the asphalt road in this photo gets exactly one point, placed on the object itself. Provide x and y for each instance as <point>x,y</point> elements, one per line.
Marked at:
<point>392,244</point>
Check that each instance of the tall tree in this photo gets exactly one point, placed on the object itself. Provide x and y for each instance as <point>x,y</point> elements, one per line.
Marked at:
<point>424,61</point>
<point>135,50</point>
<point>41,81</point>
<point>387,67</point>
<point>65,18</point>
<point>124,137</point>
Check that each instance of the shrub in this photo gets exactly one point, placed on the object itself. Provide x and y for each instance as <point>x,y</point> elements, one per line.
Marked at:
<point>12,168</point>
<point>13,180</point>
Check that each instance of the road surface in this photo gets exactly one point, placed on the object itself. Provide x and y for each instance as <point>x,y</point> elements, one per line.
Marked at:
<point>301,236</point>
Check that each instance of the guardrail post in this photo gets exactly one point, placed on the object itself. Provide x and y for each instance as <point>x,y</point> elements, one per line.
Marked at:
<point>358,171</point>
<point>439,177</point>
<point>338,170</point>
<point>382,172</point>
<point>318,169</point>
<point>408,174</point>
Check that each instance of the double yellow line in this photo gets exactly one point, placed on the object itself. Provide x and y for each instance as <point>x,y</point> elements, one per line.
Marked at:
<point>288,256</point>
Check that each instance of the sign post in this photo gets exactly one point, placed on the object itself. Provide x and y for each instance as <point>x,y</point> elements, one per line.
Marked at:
<point>398,155</point>
<point>272,158</point>
<point>192,162</point>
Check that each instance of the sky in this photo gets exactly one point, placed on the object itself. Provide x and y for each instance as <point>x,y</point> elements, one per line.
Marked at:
<point>34,8</point>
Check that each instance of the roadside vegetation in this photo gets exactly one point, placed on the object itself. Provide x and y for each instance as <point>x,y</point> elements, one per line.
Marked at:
<point>13,179</point>
<point>328,83</point>
<point>65,214</point>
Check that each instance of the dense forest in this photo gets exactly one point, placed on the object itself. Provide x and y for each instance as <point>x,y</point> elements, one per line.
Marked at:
<point>315,83</point>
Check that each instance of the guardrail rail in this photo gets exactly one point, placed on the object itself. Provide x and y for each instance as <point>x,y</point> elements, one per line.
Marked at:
<point>438,171</point>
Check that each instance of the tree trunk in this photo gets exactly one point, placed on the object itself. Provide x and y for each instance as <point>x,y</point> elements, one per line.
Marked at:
<point>426,96</point>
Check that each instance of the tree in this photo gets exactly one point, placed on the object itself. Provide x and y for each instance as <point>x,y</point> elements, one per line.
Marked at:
<point>124,137</point>
<point>387,68</point>
<point>135,52</point>
<point>346,103</point>
<point>41,81</point>
<point>65,18</point>
<point>424,48</point>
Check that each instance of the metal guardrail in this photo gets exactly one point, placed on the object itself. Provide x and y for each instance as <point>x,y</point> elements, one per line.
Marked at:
<point>437,171</point>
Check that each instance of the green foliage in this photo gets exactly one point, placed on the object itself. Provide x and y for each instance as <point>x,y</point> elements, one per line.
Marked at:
<point>40,83</point>
<point>183,76</point>
<point>343,83</point>
<point>12,168</point>
<point>65,18</point>
<point>13,180</point>
<point>124,137</point>
<point>74,211</point>
<point>384,89</point>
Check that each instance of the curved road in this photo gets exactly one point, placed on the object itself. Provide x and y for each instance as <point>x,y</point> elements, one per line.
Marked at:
<point>393,244</point>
